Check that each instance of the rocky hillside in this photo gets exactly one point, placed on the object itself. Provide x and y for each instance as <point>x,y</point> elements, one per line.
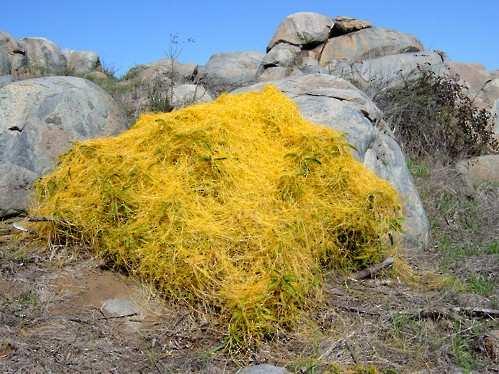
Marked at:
<point>335,69</point>
<point>32,56</point>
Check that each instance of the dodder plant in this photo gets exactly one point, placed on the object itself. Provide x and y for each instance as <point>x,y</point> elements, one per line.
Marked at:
<point>434,118</point>
<point>240,204</point>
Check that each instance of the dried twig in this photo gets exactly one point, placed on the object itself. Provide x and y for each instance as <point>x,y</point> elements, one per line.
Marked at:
<point>117,317</point>
<point>335,345</point>
<point>354,309</point>
<point>453,312</point>
<point>40,219</point>
<point>78,320</point>
<point>477,312</point>
<point>373,270</point>
<point>352,352</point>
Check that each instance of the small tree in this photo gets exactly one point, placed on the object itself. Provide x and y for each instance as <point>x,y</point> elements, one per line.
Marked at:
<point>160,91</point>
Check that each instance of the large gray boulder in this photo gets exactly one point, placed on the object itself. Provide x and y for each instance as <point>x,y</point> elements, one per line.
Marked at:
<point>482,86</point>
<point>389,71</point>
<point>39,118</point>
<point>5,52</point>
<point>368,43</point>
<point>43,57</point>
<point>164,69</point>
<point>4,62</point>
<point>282,54</point>
<point>276,73</point>
<point>12,54</point>
<point>386,159</point>
<point>15,184</point>
<point>160,86</point>
<point>334,102</point>
<point>478,170</point>
<point>81,62</point>
<point>187,94</point>
<point>474,76</point>
<point>5,79</point>
<point>303,28</point>
<point>496,113</point>
<point>8,42</point>
<point>228,71</point>
<point>281,61</point>
<point>345,25</point>
<point>34,56</point>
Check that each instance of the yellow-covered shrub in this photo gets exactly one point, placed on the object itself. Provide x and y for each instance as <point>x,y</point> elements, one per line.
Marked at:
<point>240,204</point>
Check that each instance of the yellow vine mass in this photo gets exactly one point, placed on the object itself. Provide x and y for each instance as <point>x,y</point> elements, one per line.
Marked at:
<point>240,204</point>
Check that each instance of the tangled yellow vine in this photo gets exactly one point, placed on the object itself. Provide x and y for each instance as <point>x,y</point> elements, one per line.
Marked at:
<point>240,204</point>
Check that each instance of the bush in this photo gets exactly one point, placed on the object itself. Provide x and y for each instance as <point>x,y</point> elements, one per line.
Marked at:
<point>160,95</point>
<point>432,117</point>
<point>239,204</point>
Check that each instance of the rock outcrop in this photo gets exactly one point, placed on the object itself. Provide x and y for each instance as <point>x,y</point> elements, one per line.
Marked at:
<point>35,56</point>
<point>372,58</point>
<point>389,71</point>
<point>166,82</point>
<point>496,113</point>
<point>187,94</point>
<point>228,71</point>
<point>335,102</point>
<point>39,118</point>
<point>5,79</point>
<point>14,56</point>
<point>345,25</point>
<point>164,69</point>
<point>4,62</point>
<point>482,85</point>
<point>304,29</point>
<point>310,43</point>
<point>368,43</point>
<point>81,62</point>
<point>478,170</point>
<point>43,57</point>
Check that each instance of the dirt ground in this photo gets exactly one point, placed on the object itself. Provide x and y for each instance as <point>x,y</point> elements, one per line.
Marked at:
<point>62,311</point>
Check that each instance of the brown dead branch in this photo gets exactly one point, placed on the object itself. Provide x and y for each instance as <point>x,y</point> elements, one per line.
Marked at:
<point>118,317</point>
<point>40,219</point>
<point>454,312</point>
<point>372,270</point>
<point>353,309</point>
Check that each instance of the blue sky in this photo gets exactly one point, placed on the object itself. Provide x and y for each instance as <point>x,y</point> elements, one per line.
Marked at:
<point>127,32</point>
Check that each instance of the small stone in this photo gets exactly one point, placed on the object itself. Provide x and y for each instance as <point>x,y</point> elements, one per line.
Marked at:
<point>119,307</point>
<point>263,369</point>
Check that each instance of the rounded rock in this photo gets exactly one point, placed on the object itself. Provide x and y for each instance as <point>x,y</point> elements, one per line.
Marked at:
<point>39,118</point>
<point>369,43</point>
<point>303,28</point>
